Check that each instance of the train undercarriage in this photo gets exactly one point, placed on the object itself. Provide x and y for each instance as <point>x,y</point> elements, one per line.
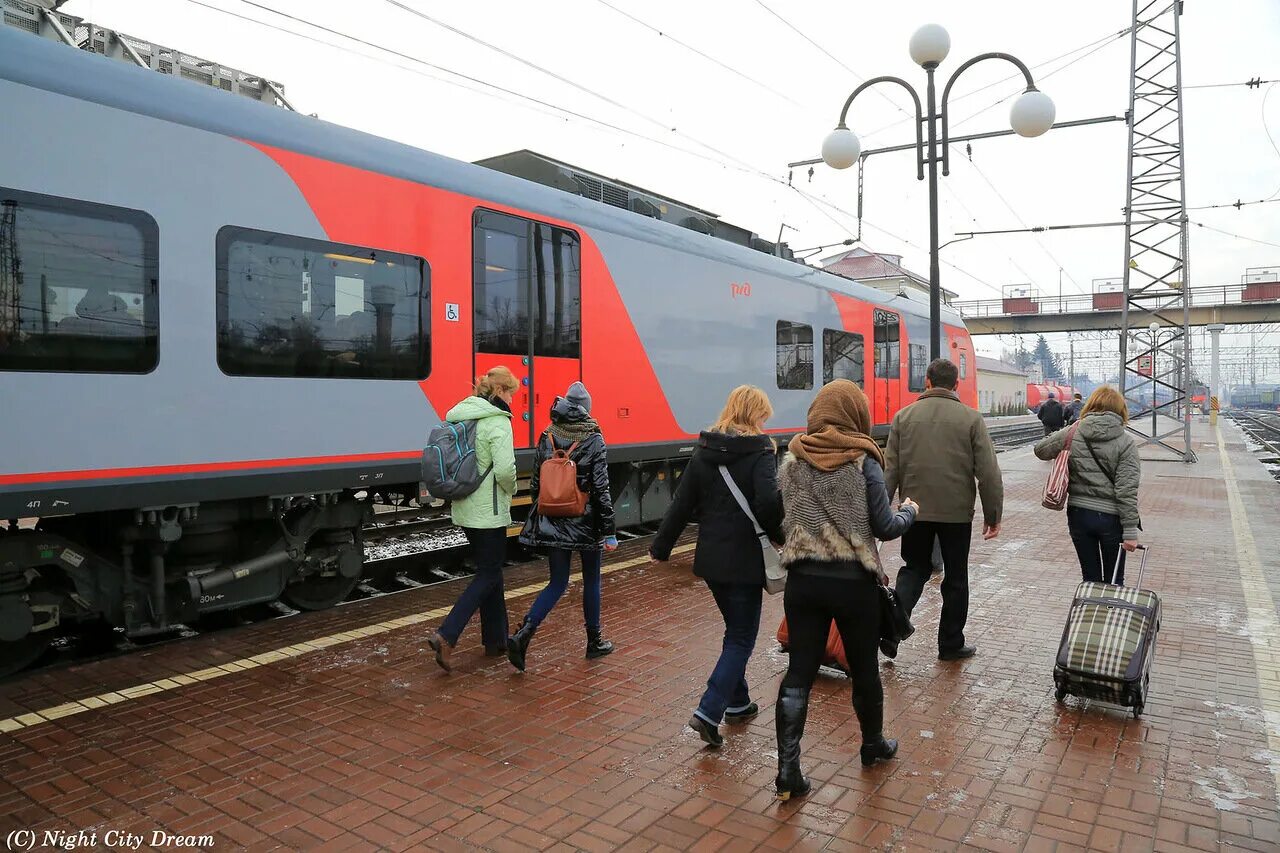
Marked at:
<point>153,570</point>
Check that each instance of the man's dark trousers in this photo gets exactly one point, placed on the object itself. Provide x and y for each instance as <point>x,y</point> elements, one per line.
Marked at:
<point>917,553</point>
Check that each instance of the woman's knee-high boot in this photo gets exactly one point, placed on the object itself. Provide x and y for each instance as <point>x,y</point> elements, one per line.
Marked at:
<point>875,746</point>
<point>793,707</point>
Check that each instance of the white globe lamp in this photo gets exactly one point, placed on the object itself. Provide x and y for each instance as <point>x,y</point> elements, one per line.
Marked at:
<point>1154,327</point>
<point>1032,113</point>
<point>929,45</point>
<point>841,148</point>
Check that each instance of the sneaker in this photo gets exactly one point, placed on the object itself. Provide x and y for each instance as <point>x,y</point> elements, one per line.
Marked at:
<point>709,733</point>
<point>958,654</point>
<point>750,712</point>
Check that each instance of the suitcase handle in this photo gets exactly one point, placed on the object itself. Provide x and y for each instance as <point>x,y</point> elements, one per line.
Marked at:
<point>1142,567</point>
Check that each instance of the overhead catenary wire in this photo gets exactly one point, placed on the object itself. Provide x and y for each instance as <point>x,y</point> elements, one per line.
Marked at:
<point>1233,234</point>
<point>664,34</point>
<point>489,89</point>
<point>833,57</point>
<point>567,81</point>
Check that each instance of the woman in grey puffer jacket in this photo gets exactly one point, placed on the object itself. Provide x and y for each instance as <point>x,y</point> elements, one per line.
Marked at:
<point>1102,494</point>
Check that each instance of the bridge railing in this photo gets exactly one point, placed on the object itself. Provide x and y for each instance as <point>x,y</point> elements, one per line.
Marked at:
<point>1084,303</point>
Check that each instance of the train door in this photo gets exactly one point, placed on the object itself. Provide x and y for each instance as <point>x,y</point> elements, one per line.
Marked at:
<point>886,383</point>
<point>527,309</point>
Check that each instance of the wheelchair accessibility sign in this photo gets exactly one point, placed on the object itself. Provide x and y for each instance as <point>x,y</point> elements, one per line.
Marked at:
<point>451,312</point>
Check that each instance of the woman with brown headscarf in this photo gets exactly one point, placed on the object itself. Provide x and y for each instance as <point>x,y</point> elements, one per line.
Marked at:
<point>836,506</point>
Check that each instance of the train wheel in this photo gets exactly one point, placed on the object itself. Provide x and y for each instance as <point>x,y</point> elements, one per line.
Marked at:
<point>17,655</point>
<point>318,593</point>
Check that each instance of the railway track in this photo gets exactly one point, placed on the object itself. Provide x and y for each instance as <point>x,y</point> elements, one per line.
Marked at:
<point>1012,436</point>
<point>1262,429</point>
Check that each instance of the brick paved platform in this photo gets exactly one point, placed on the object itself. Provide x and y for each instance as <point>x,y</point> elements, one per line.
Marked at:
<point>336,730</point>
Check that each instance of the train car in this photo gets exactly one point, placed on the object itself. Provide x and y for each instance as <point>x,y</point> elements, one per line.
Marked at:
<point>1038,393</point>
<point>226,328</point>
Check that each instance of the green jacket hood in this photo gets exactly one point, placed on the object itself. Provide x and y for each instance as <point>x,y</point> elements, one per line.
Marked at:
<point>474,408</point>
<point>1101,426</point>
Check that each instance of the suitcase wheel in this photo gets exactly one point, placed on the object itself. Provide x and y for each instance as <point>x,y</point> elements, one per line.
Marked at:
<point>1060,694</point>
<point>1137,711</point>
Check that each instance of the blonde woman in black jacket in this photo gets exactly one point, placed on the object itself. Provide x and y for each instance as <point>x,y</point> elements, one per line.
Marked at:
<point>728,556</point>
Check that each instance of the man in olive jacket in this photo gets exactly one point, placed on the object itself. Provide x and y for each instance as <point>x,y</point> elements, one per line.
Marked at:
<point>938,447</point>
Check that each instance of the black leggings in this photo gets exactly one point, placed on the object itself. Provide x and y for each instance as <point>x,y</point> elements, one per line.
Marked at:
<point>811,602</point>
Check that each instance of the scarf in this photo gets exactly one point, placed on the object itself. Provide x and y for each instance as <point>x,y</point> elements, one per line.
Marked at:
<point>498,403</point>
<point>572,431</point>
<point>837,434</point>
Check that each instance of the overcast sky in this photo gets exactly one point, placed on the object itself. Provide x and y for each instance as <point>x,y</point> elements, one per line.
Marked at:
<point>711,111</point>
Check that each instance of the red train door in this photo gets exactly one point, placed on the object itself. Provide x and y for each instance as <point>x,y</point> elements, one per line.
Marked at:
<point>886,383</point>
<point>527,309</point>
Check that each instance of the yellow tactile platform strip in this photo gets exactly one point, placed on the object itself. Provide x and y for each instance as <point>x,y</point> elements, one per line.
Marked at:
<point>114,697</point>
<point>1264,629</point>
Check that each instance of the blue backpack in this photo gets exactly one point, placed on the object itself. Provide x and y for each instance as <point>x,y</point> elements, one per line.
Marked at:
<point>450,469</point>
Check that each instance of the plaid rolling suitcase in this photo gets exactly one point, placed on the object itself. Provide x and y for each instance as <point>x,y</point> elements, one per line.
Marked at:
<point>1109,642</point>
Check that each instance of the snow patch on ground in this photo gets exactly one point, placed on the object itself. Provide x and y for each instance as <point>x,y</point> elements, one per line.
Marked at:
<point>1222,788</point>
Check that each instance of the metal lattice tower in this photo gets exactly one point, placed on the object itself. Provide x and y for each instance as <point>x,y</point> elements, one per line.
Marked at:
<point>1157,267</point>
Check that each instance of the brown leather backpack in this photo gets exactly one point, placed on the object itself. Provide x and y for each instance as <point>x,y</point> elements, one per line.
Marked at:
<point>558,492</point>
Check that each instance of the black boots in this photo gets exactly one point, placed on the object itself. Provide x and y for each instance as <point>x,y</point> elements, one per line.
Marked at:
<point>793,707</point>
<point>597,646</point>
<point>519,644</point>
<point>875,746</point>
<point>879,748</point>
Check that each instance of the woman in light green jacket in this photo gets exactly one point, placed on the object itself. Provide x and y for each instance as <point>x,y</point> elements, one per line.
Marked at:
<point>484,516</point>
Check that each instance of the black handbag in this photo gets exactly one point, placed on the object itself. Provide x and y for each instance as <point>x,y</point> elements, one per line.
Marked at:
<point>895,624</point>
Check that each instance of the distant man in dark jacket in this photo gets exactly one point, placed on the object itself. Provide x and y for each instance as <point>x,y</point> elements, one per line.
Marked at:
<point>1073,408</point>
<point>1052,415</point>
<point>939,453</point>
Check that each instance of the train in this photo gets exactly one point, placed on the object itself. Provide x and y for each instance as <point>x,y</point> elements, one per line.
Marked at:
<point>1038,393</point>
<point>1257,399</point>
<point>226,328</point>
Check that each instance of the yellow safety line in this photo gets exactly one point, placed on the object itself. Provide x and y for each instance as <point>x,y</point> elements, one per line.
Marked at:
<point>174,682</point>
<point>1264,628</point>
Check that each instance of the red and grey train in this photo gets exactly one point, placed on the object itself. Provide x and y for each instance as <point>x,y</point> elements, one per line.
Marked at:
<point>225,329</point>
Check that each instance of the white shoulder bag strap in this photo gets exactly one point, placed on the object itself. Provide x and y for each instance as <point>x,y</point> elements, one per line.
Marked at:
<point>742,501</point>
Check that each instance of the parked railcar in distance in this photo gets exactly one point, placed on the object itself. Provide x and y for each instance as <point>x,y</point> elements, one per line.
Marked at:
<point>220,352</point>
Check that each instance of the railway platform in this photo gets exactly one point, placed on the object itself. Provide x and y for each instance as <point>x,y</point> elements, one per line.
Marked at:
<point>335,730</point>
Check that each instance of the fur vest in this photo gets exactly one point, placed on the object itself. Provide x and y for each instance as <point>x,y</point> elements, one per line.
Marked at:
<point>825,515</point>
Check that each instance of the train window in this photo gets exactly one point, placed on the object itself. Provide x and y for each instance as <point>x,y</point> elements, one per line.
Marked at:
<point>557,315</point>
<point>918,364</point>
<point>842,356</point>
<point>77,286</point>
<point>528,287</point>
<point>501,276</point>
<point>888,354</point>
<point>795,356</point>
<point>294,306</point>
<point>964,366</point>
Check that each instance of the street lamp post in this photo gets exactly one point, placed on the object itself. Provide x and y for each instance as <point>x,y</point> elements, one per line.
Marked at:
<point>1031,115</point>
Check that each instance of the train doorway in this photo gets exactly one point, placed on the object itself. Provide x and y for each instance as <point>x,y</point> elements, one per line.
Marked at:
<point>886,385</point>
<point>527,309</point>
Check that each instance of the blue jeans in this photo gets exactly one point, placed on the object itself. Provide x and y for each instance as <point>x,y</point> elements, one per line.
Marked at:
<point>560,562</point>
<point>727,687</point>
<point>485,592</point>
<point>1097,537</point>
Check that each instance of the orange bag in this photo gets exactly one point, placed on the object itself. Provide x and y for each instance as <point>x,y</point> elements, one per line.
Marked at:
<point>558,492</point>
<point>834,656</point>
